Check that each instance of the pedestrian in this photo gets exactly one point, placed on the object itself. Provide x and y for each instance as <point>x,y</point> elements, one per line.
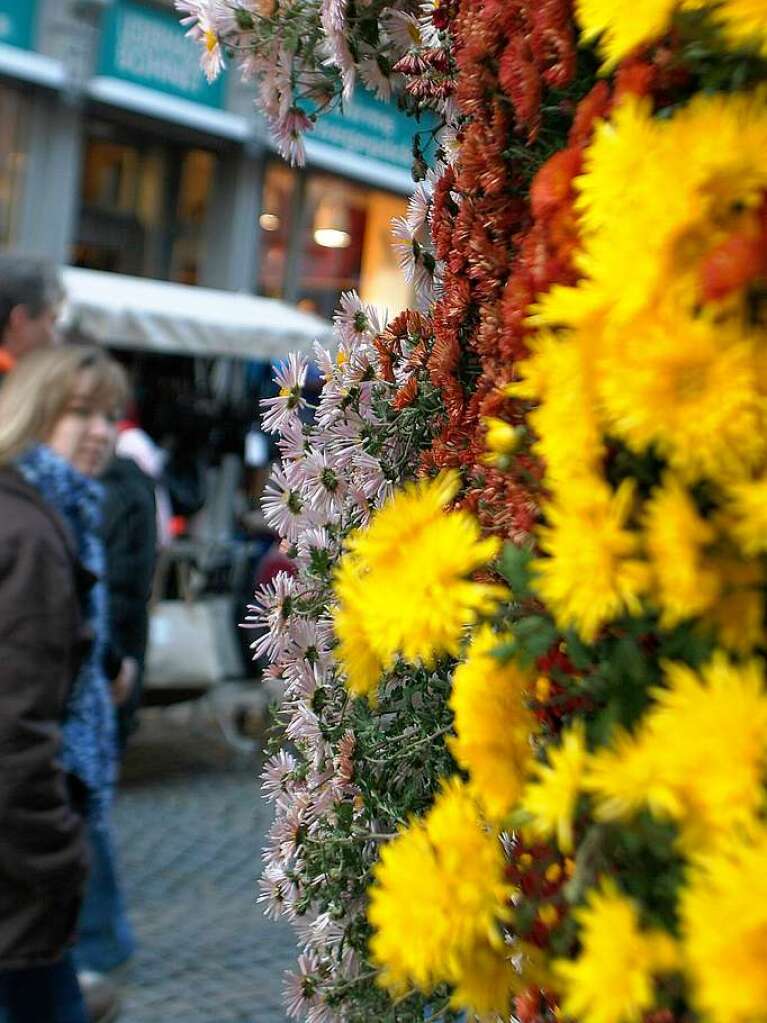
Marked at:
<point>31,296</point>
<point>135,443</point>
<point>130,540</point>
<point>58,414</point>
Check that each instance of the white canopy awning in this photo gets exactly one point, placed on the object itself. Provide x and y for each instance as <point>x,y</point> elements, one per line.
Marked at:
<point>178,319</point>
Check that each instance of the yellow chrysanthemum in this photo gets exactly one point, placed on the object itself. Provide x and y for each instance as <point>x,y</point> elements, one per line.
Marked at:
<point>569,439</point>
<point>413,558</point>
<point>493,724</point>
<point>689,389</point>
<point>668,369</point>
<point>612,980</point>
<point>501,437</point>
<point>418,505</point>
<point>723,912</point>
<point>624,777</point>
<point>743,22</point>
<point>676,536</point>
<point>748,509</point>
<point>699,755</point>
<point>593,572</point>
<point>642,240</point>
<point>551,798</point>
<point>362,666</point>
<point>624,27</point>
<point>485,982</point>
<point>439,893</point>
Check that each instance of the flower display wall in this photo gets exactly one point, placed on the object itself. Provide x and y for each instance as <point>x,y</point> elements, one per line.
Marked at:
<point>524,648</point>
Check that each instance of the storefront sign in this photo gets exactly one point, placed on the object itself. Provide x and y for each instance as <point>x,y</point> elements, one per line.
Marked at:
<point>370,128</point>
<point>147,46</point>
<point>17,22</point>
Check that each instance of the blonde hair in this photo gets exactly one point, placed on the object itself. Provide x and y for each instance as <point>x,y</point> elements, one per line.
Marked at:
<point>35,394</point>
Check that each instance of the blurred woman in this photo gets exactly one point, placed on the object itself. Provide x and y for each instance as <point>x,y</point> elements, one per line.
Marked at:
<point>58,415</point>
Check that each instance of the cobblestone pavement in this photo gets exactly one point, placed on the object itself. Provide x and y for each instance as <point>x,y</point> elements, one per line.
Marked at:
<point>190,828</point>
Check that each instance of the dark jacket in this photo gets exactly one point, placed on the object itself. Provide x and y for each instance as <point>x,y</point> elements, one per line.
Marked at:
<point>129,531</point>
<point>130,540</point>
<point>42,640</point>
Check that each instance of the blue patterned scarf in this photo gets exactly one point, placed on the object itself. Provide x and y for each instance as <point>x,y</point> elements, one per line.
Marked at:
<point>88,748</point>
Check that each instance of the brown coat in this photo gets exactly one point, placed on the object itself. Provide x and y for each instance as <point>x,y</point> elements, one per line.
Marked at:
<point>42,846</point>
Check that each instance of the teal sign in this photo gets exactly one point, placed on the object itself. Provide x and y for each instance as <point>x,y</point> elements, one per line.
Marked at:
<point>17,22</point>
<point>369,127</point>
<point>147,46</point>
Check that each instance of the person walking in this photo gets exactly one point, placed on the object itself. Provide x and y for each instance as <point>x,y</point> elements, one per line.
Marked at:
<point>58,415</point>
<point>43,637</point>
<point>31,296</point>
<point>130,539</point>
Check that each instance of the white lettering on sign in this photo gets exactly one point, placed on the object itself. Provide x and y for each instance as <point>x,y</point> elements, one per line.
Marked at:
<point>349,137</point>
<point>159,53</point>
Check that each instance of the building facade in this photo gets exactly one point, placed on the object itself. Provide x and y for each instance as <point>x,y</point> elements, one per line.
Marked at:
<point>115,154</point>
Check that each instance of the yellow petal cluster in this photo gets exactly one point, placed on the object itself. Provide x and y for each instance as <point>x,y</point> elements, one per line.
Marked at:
<point>638,358</point>
<point>501,437</point>
<point>437,901</point>
<point>665,369</point>
<point>404,586</point>
<point>743,23</point>
<point>493,724</point>
<point>594,571</point>
<point>748,508</point>
<point>568,435</point>
<point>698,757</point>
<point>551,797</point>
<point>486,983</point>
<point>612,980</point>
<point>676,537</point>
<point>623,26</point>
<point>723,912</point>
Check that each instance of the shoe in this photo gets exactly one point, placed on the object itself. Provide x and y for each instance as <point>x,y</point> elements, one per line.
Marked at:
<point>102,1001</point>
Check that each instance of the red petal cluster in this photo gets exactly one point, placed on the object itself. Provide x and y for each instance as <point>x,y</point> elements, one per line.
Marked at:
<point>403,350</point>
<point>497,251</point>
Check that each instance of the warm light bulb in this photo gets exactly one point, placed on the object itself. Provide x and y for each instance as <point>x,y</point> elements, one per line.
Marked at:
<point>331,238</point>
<point>269,221</point>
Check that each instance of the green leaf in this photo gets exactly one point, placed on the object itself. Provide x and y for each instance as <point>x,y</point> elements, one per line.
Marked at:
<point>514,566</point>
<point>582,656</point>
<point>535,635</point>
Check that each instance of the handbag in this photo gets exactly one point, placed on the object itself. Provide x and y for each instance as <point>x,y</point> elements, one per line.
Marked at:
<point>191,639</point>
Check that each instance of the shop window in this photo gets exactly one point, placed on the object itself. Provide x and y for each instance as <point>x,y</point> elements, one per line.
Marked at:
<point>344,243</point>
<point>276,222</point>
<point>333,242</point>
<point>347,246</point>
<point>381,280</point>
<point>14,115</point>
<point>198,168</point>
<point>144,205</point>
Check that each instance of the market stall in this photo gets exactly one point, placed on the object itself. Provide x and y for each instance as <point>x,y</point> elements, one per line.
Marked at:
<point>199,360</point>
<point>178,319</point>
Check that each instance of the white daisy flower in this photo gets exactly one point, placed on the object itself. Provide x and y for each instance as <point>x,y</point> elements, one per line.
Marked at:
<point>355,320</point>
<point>275,773</point>
<point>290,377</point>
<point>323,486</point>
<point>285,507</point>
<point>403,30</point>
<point>277,893</point>
<point>288,131</point>
<point>299,989</point>
<point>374,79</point>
